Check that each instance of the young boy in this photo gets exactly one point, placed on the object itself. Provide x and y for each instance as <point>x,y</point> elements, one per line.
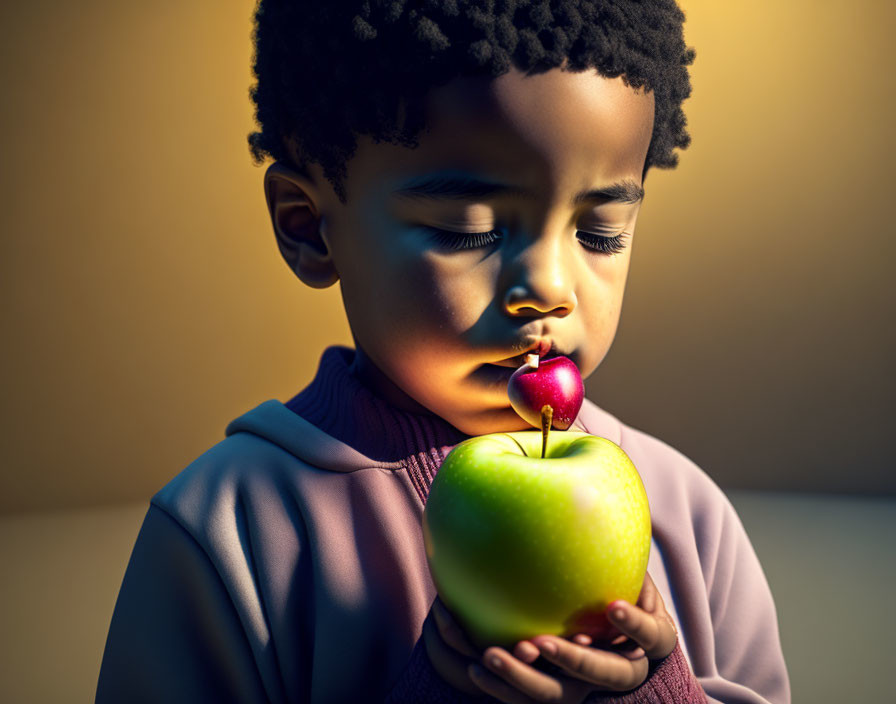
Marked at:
<point>470,174</point>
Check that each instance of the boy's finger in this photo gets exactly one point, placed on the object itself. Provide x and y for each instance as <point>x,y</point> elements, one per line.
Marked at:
<point>525,651</point>
<point>512,681</point>
<point>657,636</point>
<point>451,665</point>
<point>599,667</point>
<point>495,686</point>
<point>647,598</point>
<point>451,631</point>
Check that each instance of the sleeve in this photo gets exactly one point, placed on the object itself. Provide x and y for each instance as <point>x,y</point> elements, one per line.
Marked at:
<point>175,635</point>
<point>669,681</point>
<point>749,666</point>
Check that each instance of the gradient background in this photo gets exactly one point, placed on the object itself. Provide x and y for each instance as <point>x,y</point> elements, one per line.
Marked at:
<point>145,303</point>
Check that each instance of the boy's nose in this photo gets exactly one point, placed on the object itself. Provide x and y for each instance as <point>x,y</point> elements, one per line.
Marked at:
<point>541,287</point>
<point>521,301</point>
<point>539,279</point>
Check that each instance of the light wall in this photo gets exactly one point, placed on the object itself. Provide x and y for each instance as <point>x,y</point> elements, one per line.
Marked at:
<point>145,304</point>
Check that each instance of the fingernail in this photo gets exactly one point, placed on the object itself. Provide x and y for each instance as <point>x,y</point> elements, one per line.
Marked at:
<point>495,662</point>
<point>548,647</point>
<point>526,652</point>
<point>619,614</point>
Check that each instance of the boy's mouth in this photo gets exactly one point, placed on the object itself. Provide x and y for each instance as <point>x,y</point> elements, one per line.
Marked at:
<point>496,375</point>
<point>545,349</point>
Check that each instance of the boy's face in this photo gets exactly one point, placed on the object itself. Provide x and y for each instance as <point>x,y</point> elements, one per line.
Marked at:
<point>442,321</point>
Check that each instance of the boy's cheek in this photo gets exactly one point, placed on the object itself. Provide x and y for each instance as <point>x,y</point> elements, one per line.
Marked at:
<point>461,288</point>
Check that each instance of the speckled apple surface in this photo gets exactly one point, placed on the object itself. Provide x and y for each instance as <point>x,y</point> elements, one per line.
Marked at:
<point>519,546</point>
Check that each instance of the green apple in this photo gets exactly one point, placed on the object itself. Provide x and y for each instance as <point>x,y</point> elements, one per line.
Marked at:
<point>519,545</point>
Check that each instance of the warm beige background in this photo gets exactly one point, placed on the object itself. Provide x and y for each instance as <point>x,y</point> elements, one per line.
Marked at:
<point>145,304</point>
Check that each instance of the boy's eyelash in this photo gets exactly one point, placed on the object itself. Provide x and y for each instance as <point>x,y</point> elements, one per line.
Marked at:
<point>464,240</point>
<point>456,241</point>
<point>603,244</point>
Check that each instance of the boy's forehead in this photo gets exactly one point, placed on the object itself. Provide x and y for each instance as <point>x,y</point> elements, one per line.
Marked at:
<point>567,104</point>
<point>533,131</point>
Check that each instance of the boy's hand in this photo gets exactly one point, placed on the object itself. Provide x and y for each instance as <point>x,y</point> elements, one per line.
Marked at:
<point>648,634</point>
<point>449,649</point>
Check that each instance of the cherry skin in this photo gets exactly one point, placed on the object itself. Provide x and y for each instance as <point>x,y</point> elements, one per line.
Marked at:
<point>556,382</point>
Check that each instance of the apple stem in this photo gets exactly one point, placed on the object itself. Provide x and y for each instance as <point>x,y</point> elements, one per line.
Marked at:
<point>547,416</point>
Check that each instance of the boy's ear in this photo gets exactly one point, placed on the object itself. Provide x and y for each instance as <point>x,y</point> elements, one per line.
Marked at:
<point>298,225</point>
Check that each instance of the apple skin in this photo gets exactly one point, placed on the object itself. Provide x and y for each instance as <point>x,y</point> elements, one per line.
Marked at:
<point>519,546</point>
<point>556,382</point>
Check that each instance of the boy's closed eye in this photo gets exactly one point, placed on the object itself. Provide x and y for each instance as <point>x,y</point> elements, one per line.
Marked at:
<point>607,242</point>
<point>619,200</point>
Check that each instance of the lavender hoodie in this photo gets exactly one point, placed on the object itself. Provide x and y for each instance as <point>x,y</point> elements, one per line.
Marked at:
<point>285,565</point>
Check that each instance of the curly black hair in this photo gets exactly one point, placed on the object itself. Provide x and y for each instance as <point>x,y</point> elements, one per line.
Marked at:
<point>328,71</point>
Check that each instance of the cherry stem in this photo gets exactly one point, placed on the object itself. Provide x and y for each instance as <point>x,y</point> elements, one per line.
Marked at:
<point>547,416</point>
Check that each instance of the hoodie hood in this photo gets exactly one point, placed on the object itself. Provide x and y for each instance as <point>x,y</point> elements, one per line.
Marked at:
<point>274,422</point>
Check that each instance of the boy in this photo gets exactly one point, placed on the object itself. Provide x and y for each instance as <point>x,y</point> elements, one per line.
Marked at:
<point>470,174</point>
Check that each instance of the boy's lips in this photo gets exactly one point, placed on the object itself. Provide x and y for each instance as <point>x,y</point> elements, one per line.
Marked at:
<point>496,375</point>
<point>545,349</point>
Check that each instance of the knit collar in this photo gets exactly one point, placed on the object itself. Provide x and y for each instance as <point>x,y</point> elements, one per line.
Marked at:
<point>339,404</point>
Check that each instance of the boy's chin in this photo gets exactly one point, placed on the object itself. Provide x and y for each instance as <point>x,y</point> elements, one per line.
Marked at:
<point>504,420</point>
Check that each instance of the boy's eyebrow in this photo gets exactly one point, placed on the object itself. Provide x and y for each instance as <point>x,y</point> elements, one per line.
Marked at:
<point>448,186</point>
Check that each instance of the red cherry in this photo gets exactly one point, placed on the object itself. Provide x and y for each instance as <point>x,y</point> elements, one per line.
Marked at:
<point>555,383</point>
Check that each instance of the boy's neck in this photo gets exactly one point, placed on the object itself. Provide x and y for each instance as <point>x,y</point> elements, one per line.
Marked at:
<point>343,406</point>
<point>364,369</point>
